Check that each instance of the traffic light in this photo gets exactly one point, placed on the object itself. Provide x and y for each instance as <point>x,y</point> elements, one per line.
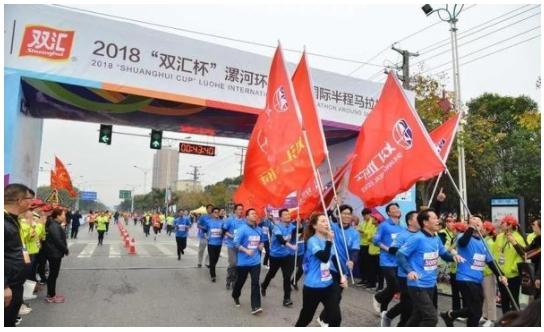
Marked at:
<point>156,139</point>
<point>105,134</point>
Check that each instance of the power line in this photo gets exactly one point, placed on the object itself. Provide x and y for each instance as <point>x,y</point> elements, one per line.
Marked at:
<point>249,42</point>
<point>476,39</point>
<point>466,33</point>
<point>484,48</point>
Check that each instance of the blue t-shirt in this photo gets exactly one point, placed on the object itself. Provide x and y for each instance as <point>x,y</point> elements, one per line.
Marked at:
<point>202,221</point>
<point>276,248</point>
<point>316,273</point>
<point>231,225</point>
<point>398,242</point>
<point>386,233</point>
<point>182,225</point>
<point>476,257</point>
<point>353,240</point>
<point>248,237</point>
<point>214,228</point>
<point>422,252</point>
<point>266,226</point>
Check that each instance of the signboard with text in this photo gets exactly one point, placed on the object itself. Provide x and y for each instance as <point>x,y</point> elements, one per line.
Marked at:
<point>87,195</point>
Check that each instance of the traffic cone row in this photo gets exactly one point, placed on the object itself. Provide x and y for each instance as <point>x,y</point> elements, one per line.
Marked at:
<point>129,244</point>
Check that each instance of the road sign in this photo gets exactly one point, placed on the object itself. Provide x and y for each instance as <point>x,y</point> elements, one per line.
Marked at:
<point>203,150</point>
<point>87,195</point>
<point>124,194</point>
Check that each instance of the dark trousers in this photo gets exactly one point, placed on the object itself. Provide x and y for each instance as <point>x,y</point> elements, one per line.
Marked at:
<point>311,297</point>
<point>107,227</point>
<point>146,230</point>
<point>373,263</point>
<point>456,296</point>
<point>73,233</point>
<point>254,272</point>
<point>54,269</point>
<point>473,300</point>
<point>423,311</point>
<point>30,269</point>
<point>181,243</point>
<point>213,252</point>
<point>300,271</point>
<point>100,237</point>
<point>169,229</point>
<point>91,226</point>
<point>287,264</point>
<point>266,252</point>
<point>12,311</point>
<point>386,295</point>
<point>363,263</point>
<point>325,316</point>
<point>404,306</point>
<point>41,261</point>
<point>514,285</point>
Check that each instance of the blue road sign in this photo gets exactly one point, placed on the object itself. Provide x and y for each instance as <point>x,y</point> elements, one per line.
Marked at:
<point>87,195</point>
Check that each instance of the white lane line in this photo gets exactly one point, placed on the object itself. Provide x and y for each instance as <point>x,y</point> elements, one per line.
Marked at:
<point>140,251</point>
<point>88,250</point>
<point>114,251</point>
<point>165,250</point>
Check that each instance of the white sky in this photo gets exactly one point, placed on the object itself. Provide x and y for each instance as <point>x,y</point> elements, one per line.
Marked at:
<point>341,30</point>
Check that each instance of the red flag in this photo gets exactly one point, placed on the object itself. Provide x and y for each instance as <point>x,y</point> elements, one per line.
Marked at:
<point>245,197</point>
<point>393,150</point>
<point>277,161</point>
<point>443,136</point>
<point>302,84</point>
<point>54,181</point>
<point>63,178</point>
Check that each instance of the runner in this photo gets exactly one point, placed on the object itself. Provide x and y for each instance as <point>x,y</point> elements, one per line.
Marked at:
<point>116,217</point>
<point>203,240</point>
<point>91,217</point>
<point>319,286</point>
<point>231,227</point>
<point>470,274</point>
<point>101,226</point>
<point>388,230</point>
<point>135,218</point>
<point>281,256</point>
<point>169,224</point>
<point>266,225</point>
<point>419,257</point>
<point>108,217</point>
<point>249,243</point>
<point>146,224</point>
<point>181,224</point>
<point>448,235</point>
<point>156,224</point>
<point>348,237</point>
<point>214,229</point>
<point>404,307</point>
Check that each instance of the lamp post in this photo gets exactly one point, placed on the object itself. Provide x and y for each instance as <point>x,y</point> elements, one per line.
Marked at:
<point>451,18</point>
<point>145,171</point>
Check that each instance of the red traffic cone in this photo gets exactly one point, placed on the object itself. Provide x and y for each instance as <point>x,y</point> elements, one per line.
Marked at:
<point>132,248</point>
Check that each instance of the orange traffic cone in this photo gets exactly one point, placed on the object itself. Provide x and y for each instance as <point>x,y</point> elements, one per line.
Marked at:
<point>132,248</point>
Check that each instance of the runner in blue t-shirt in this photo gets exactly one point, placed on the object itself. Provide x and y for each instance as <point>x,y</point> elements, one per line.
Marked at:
<point>181,226</point>
<point>470,274</point>
<point>280,255</point>
<point>214,230</point>
<point>418,256</point>
<point>231,228</point>
<point>319,286</point>
<point>249,242</point>
<point>202,236</point>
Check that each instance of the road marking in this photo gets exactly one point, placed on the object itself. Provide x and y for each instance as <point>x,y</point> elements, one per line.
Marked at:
<point>88,250</point>
<point>165,250</point>
<point>140,251</point>
<point>114,251</point>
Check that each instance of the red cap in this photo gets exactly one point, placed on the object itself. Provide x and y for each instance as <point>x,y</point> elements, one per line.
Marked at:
<point>509,220</point>
<point>488,226</point>
<point>460,227</point>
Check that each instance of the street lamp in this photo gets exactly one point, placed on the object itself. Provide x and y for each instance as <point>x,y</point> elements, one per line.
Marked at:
<point>145,171</point>
<point>452,20</point>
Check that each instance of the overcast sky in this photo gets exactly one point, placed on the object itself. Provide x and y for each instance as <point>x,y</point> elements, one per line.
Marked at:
<point>357,32</point>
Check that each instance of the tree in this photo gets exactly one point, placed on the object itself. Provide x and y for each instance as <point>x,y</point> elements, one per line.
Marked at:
<point>67,201</point>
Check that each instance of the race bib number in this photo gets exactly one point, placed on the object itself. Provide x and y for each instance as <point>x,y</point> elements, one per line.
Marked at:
<point>478,262</point>
<point>430,261</point>
<point>215,232</point>
<point>253,241</point>
<point>325,272</point>
<point>501,260</point>
<point>265,230</point>
<point>181,228</point>
<point>394,236</point>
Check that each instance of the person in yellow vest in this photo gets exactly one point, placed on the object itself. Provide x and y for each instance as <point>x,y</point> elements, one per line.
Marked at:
<point>31,240</point>
<point>509,251</point>
<point>373,258</point>
<point>169,224</point>
<point>162,219</point>
<point>45,211</point>
<point>146,222</point>
<point>363,247</point>
<point>447,235</point>
<point>102,226</point>
<point>489,285</point>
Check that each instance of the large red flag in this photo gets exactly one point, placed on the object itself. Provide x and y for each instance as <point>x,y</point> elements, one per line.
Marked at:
<point>277,161</point>
<point>302,85</point>
<point>245,197</point>
<point>63,178</point>
<point>443,136</point>
<point>54,181</point>
<point>393,150</point>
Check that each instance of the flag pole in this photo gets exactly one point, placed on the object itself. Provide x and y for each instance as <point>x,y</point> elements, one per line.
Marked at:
<point>311,157</point>
<point>296,242</point>
<point>434,189</point>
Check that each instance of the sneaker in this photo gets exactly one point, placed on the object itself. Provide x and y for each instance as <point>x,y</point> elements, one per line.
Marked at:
<point>447,318</point>
<point>59,299</point>
<point>199,265</point>
<point>488,323</point>
<point>18,320</point>
<point>263,291</point>
<point>213,279</point>
<point>385,321</point>
<point>237,303</point>
<point>257,311</point>
<point>49,299</point>
<point>461,319</point>
<point>287,303</point>
<point>376,305</point>
<point>24,310</point>
<point>31,297</point>
<point>321,323</point>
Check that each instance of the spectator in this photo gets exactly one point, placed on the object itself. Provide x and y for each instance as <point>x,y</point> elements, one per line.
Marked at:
<point>76,217</point>
<point>55,249</point>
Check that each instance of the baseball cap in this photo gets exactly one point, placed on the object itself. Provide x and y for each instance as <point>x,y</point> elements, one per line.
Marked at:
<point>509,220</point>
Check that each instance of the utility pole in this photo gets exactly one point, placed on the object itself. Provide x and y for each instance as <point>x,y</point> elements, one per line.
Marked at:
<point>241,155</point>
<point>405,65</point>
<point>196,175</point>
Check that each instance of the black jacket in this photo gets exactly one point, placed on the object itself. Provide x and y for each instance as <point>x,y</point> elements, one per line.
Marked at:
<point>55,241</point>
<point>14,264</point>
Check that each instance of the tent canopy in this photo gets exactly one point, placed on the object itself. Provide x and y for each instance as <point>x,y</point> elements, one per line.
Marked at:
<point>200,210</point>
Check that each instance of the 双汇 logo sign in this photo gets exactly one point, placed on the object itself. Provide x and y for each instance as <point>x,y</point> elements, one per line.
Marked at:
<point>402,134</point>
<point>46,42</point>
